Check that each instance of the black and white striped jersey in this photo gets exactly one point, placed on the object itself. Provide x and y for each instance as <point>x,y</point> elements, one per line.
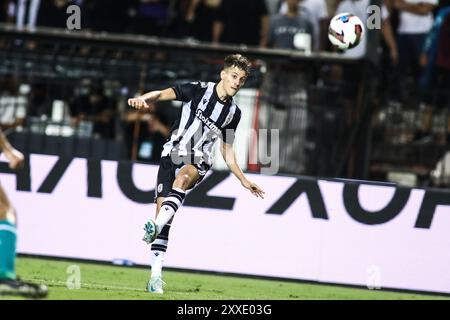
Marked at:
<point>204,118</point>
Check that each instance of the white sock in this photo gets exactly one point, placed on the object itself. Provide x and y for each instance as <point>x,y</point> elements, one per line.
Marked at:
<point>157,263</point>
<point>165,214</point>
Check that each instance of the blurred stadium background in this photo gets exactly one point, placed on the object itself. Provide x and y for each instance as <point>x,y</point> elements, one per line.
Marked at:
<point>343,120</point>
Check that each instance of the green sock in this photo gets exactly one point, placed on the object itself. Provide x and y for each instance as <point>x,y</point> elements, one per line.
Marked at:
<point>7,250</point>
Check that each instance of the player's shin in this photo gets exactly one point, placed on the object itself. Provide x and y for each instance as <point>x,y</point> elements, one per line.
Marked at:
<point>169,206</point>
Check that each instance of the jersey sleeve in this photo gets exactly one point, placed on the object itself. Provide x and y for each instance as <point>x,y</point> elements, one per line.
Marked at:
<point>229,131</point>
<point>186,92</point>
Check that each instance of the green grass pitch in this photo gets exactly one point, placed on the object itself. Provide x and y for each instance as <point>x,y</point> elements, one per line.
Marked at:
<point>103,282</point>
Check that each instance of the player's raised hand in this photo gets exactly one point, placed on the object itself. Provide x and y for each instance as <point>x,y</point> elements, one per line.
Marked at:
<point>138,103</point>
<point>254,189</point>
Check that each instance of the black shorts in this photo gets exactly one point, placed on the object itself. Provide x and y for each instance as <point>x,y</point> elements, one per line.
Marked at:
<point>167,173</point>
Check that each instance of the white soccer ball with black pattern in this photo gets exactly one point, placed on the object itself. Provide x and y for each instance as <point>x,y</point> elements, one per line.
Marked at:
<point>345,31</point>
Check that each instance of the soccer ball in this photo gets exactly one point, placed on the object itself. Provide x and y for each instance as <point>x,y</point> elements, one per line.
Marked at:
<point>345,31</point>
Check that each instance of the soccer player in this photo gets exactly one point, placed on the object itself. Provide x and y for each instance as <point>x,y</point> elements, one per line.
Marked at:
<point>9,283</point>
<point>208,113</point>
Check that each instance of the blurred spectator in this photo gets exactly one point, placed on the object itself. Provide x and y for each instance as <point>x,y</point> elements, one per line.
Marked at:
<point>435,81</point>
<point>284,108</point>
<point>443,54</point>
<point>317,12</point>
<point>95,108</point>
<point>7,11</point>
<point>201,14</point>
<point>416,20</point>
<point>158,129</point>
<point>284,85</point>
<point>159,123</point>
<point>292,30</point>
<point>178,26</point>
<point>435,55</point>
<point>13,104</point>
<point>150,17</point>
<point>146,132</point>
<point>242,22</point>
<point>22,12</point>
<point>27,13</point>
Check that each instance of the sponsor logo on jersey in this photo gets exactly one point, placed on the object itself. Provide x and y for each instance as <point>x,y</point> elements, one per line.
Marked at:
<point>208,122</point>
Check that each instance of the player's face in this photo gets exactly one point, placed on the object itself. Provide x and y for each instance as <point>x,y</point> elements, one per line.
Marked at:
<point>233,79</point>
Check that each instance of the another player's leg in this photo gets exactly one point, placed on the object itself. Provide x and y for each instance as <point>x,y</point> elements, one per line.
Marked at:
<point>7,238</point>
<point>9,284</point>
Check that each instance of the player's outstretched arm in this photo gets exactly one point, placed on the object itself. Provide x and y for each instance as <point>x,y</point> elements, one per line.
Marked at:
<point>146,100</point>
<point>417,8</point>
<point>230,158</point>
<point>14,156</point>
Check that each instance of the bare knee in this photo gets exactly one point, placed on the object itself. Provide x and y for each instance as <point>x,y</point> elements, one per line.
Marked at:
<point>182,181</point>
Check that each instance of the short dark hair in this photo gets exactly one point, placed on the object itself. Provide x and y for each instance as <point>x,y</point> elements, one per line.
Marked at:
<point>239,61</point>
